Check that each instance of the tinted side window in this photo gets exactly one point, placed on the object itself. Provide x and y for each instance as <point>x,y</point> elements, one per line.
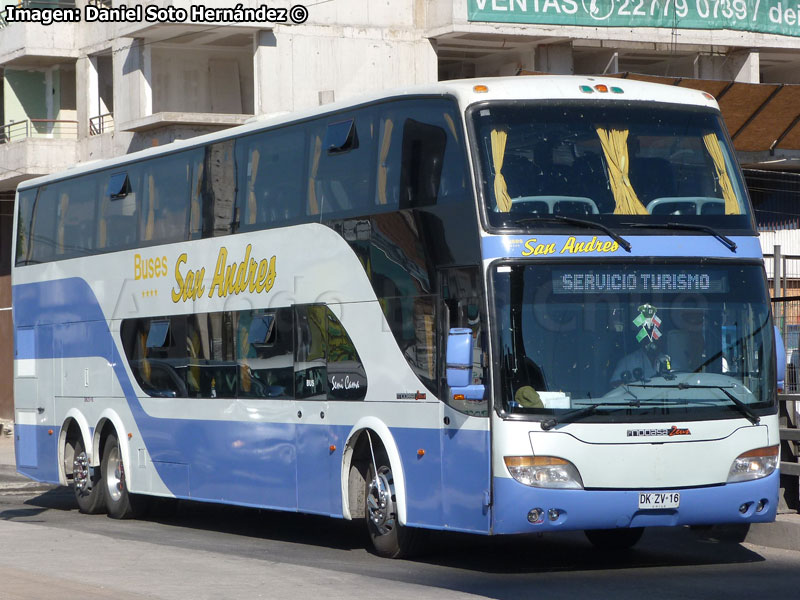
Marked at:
<point>421,156</point>
<point>219,189</point>
<point>119,213</point>
<point>264,352</point>
<point>341,176</point>
<point>310,380</point>
<point>245,354</point>
<point>347,379</point>
<point>213,371</point>
<point>157,354</point>
<point>164,187</point>
<point>272,187</point>
<point>45,218</point>
<point>25,204</point>
<point>64,220</point>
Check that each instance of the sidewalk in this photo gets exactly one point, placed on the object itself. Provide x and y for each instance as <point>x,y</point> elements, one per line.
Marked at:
<point>784,533</point>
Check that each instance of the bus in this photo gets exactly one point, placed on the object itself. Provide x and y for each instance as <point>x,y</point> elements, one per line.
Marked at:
<point>497,306</point>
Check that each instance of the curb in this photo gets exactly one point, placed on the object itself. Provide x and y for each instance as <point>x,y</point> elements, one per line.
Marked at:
<point>784,533</point>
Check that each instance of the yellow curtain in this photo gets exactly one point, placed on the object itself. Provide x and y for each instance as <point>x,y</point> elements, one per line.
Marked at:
<point>196,208</point>
<point>62,209</point>
<point>715,150</point>
<point>382,169</point>
<point>313,207</point>
<point>451,125</point>
<point>244,368</point>
<point>503,200</point>
<point>251,188</point>
<point>615,148</point>
<point>145,364</point>
<point>151,211</point>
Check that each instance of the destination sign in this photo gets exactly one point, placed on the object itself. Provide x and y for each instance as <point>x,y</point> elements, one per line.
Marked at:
<point>588,281</point>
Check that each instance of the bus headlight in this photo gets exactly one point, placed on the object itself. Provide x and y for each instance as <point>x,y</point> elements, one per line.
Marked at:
<point>544,472</point>
<point>754,464</point>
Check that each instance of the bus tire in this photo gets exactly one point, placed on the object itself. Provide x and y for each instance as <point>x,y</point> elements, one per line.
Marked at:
<point>120,503</point>
<point>614,539</point>
<point>388,537</point>
<point>86,484</point>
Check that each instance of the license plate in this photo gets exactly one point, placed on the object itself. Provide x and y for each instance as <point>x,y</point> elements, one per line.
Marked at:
<point>655,500</point>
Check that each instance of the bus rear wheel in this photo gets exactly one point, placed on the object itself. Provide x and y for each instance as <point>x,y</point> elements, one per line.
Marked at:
<point>86,484</point>
<point>120,503</point>
<point>614,539</point>
<point>389,538</point>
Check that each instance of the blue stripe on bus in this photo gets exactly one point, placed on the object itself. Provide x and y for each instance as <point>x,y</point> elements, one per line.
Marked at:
<point>609,509</point>
<point>245,463</point>
<point>545,246</point>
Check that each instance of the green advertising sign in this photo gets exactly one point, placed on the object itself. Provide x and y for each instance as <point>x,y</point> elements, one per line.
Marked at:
<point>763,16</point>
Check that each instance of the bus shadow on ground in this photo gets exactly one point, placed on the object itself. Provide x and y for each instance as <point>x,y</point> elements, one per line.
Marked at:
<point>501,555</point>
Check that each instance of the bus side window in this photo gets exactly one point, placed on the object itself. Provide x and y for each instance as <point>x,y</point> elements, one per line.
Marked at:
<point>45,217</point>
<point>311,331</point>
<point>461,294</point>
<point>264,352</point>
<point>347,379</point>
<point>156,354</point>
<point>165,197</point>
<point>421,156</point>
<point>342,164</point>
<point>27,200</point>
<point>117,222</point>
<point>219,189</point>
<point>271,187</point>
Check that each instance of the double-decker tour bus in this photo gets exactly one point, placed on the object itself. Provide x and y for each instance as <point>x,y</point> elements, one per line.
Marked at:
<point>496,306</point>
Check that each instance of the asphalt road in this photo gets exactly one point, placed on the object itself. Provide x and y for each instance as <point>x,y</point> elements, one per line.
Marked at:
<point>196,551</point>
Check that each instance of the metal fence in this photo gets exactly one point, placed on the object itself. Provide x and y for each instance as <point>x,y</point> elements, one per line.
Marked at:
<point>784,276</point>
<point>101,124</point>
<point>39,128</point>
<point>790,444</point>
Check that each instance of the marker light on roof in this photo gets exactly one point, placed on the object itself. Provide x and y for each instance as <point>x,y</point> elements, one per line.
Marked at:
<point>601,87</point>
<point>586,89</point>
<point>708,96</point>
<point>617,90</point>
<point>480,89</point>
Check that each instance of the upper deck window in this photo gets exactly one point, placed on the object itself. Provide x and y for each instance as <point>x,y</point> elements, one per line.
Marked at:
<point>616,162</point>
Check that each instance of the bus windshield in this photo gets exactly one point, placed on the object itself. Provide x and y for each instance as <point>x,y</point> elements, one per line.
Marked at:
<point>641,342</point>
<point>616,162</point>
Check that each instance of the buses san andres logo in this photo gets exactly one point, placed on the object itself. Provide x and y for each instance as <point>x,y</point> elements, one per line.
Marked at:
<point>649,323</point>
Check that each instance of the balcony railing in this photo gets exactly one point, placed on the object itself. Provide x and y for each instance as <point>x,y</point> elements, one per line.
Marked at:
<point>101,124</point>
<point>39,128</point>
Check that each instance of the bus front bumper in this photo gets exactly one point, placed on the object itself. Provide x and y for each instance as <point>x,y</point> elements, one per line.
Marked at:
<point>518,508</point>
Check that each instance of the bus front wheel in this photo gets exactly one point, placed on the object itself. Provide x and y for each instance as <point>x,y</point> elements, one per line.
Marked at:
<point>120,503</point>
<point>614,539</point>
<point>86,483</point>
<point>389,538</point>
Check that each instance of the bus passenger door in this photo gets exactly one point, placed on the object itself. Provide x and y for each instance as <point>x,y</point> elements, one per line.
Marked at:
<point>313,435</point>
<point>464,412</point>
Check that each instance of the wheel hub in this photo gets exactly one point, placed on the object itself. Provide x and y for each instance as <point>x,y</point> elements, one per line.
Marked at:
<point>380,506</point>
<point>115,478</point>
<point>80,472</point>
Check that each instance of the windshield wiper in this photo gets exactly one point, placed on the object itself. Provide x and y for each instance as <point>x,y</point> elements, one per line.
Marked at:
<point>625,244</point>
<point>570,416</point>
<point>740,406</point>
<point>585,412</point>
<point>726,241</point>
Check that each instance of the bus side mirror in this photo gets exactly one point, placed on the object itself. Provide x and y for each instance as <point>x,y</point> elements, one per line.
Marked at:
<point>459,357</point>
<point>780,358</point>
